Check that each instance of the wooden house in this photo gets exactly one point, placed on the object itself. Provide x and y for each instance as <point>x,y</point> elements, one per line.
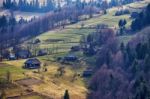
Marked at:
<point>87,73</point>
<point>32,63</point>
<point>70,58</point>
<point>42,52</point>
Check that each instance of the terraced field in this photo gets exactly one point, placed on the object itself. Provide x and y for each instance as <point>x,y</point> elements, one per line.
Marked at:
<point>63,39</point>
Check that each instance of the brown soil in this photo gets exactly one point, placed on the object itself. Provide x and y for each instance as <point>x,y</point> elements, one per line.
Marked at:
<point>29,81</point>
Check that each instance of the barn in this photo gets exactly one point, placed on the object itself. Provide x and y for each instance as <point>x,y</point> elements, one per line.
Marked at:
<point>32,63</point>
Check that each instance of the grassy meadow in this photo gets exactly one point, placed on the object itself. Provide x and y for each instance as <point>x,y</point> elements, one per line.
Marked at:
<point>51,85</point>
<point>64,39</point>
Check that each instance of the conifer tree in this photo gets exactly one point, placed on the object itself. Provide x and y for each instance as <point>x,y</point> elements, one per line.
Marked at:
<point>66,95</point>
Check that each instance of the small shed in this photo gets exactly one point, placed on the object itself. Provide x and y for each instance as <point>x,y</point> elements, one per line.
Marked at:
<point>24,54</point>
<point>42,52</point>
<point>12,56</point>
<point>87,73</point>
<point>32,63</point>
<point>70,58</point>
<point>75,48</point>
<point>36,41</point>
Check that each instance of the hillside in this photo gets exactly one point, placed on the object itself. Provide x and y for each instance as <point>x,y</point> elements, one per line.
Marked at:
<point>71,34</point>
<point>37,84</point>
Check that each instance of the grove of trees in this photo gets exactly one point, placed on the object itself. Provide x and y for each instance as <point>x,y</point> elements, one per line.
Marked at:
<point>122,70</point>
<point>51,5</point>
<point>32,6</point>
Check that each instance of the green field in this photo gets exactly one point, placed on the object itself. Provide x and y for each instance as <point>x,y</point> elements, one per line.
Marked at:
<point>63,39</point>
<point>15,71</point>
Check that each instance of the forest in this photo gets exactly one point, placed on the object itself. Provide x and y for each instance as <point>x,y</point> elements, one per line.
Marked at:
<point>122,70</point>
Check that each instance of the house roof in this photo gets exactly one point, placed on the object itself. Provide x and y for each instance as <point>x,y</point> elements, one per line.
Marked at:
<point>32,61</point>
